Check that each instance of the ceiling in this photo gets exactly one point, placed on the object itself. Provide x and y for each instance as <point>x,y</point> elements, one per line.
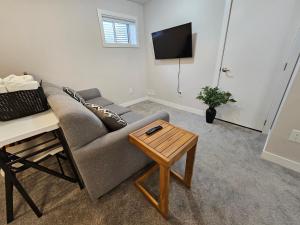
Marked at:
<point>140,1</point>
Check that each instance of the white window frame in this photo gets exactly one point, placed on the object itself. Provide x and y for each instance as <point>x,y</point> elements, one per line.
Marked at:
<point>117,16</point>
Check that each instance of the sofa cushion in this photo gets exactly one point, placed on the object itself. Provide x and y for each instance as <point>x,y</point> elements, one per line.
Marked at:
<point>132,117</point>
<point>111,120</point>
<point>74,94</point>
<point>90,93</point>
<point>100,101</point>
<point>117,109</point>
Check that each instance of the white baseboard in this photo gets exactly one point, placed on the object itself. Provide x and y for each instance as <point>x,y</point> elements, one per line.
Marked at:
<point>166,103</point>
<point>135,101</point>
<point>293,165</point>
<point>177,106</point>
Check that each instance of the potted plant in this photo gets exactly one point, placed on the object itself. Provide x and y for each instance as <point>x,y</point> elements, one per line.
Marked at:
<point>214,97</point>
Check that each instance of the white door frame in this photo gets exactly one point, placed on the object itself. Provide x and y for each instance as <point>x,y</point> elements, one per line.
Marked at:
<point>223,39</point>
<point>270,117</point>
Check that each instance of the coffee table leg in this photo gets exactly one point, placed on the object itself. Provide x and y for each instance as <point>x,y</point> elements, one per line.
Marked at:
<point>189,166</point>
<point>164,190</point>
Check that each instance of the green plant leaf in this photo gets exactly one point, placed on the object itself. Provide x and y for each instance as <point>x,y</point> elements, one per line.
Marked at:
<point>214,97</point>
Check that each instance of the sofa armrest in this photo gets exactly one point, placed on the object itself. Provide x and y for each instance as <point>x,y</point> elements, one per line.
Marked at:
<point>116,139</point>
<point>90,93</point>
<point>108,160</point>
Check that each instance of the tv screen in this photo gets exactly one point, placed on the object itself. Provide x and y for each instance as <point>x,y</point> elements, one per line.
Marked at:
<point>175,42</point>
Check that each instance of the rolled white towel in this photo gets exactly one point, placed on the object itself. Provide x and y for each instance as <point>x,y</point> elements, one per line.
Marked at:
<point>17,79</point>
<point>2,88</point>
<point>8,78</point>
<point>27,78</point>
<point>29,85</point>
<point>1,81</point>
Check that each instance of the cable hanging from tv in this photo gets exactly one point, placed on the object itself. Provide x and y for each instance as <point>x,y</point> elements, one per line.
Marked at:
<point>174,43</point>
<point>178,78</point>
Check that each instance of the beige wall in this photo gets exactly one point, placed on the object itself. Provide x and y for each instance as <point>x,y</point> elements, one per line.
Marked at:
<point>278,148</point>
<point>287,120</point>
<point>60,41</point>
<point>206,17</point>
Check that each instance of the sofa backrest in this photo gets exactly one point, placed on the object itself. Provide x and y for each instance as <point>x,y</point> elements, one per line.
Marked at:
<point>52,89</point>
<point>79,124</point>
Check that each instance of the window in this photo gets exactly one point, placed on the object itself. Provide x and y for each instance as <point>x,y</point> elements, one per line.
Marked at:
<point>118,30</point>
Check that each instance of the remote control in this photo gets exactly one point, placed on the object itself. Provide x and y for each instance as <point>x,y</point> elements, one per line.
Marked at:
<point>153,130</point>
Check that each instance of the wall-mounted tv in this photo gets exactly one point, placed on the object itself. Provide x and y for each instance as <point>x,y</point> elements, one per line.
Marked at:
<point>175,42</point>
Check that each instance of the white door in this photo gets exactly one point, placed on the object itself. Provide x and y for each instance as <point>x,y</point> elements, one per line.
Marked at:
<point>256,35</point>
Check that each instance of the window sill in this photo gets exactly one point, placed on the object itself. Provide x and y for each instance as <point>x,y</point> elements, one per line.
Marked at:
<point>120,46</point>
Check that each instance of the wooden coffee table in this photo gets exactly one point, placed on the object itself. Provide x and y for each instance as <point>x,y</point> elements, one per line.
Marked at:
<point>165,147</point>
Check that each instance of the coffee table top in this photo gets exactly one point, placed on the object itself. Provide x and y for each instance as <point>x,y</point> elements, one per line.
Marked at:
<point>165,146</point>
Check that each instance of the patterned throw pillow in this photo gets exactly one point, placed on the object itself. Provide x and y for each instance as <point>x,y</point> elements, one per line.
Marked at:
<point>111,120</point>
<point>74,94</point>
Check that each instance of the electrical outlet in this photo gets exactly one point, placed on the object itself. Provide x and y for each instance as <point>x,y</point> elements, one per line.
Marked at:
<point>295,136</point>
<point>179,94</point>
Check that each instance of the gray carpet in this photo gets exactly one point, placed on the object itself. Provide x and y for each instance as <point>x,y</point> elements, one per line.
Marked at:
<point>231,185</point>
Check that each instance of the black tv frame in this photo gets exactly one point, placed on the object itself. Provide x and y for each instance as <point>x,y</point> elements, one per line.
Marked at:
<point>166,44</point>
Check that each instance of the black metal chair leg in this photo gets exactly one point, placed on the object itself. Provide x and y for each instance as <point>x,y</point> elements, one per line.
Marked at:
<point>10,179</point>
<point>60,166</point>
<point>25,195</point>
<point>8,185</point>
<point>7,160</point>
<point>42,168</point>
<point>9,200</point>
<point>66,148</point>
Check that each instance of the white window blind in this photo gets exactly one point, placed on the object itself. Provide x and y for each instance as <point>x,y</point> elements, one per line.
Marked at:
<point>109,33</point>
<point>118,32</point>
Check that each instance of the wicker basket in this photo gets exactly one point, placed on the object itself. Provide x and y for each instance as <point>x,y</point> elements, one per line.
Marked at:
<point>18,104</point>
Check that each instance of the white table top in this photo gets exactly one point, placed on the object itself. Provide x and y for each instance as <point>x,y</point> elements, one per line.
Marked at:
<point>19,129</point>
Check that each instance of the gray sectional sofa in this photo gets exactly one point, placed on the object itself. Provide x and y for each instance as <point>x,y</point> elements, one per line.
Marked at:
<point>104,159</point>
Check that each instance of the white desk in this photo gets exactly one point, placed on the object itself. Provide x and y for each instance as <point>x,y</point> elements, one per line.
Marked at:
<point>23,128</point>
<point>19,129</point>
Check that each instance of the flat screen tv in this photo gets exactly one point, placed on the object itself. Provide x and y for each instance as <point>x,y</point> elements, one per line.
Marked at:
<point>175,42</point>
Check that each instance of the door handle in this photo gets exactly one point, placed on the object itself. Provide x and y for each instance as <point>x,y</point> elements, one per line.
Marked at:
<point>225,70</point>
